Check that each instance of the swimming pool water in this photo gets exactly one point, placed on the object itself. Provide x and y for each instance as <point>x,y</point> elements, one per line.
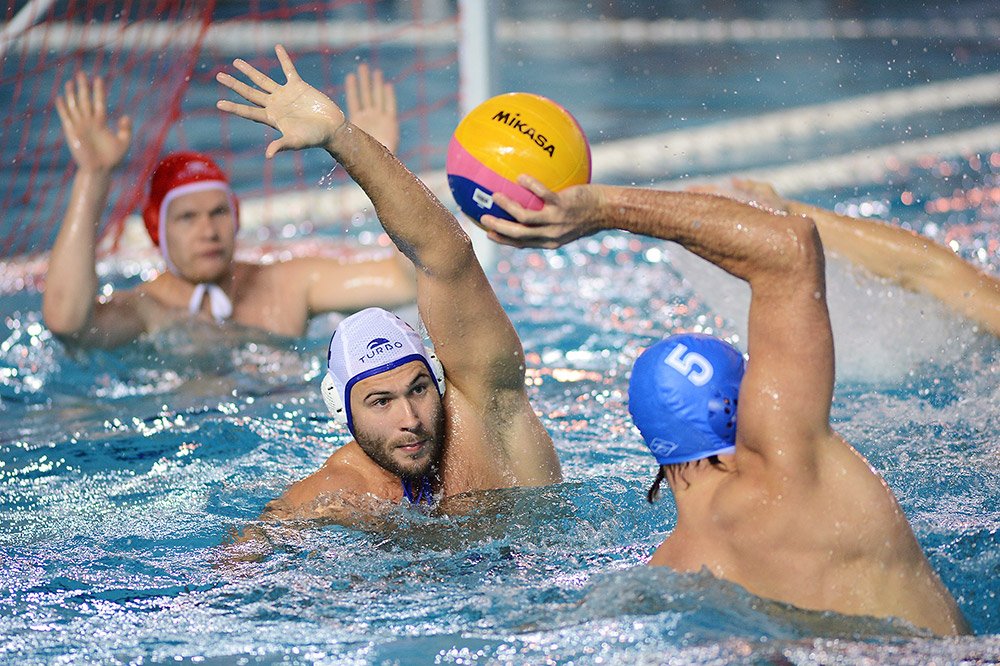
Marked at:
<point>122,472</point>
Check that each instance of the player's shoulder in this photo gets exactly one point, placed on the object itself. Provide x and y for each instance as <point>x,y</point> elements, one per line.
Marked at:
<point>151,298</point>
<point>332,477</point>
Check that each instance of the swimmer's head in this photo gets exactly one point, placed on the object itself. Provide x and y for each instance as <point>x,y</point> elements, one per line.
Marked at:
<point>386,386</point>
<point>682,397</point>
<point>177,175</point>
<point>369,343</point>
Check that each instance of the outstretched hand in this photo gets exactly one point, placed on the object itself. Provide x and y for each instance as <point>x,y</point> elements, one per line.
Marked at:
<point>371,105</point>
<point>305,117</point>
<point>564,216</point>
<point>84,117</point>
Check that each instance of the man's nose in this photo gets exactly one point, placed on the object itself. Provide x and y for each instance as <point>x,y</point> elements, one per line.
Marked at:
<point>408,415</point>
<point>211,227</point>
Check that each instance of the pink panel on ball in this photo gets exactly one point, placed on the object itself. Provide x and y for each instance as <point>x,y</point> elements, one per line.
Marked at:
<point>460,162</point>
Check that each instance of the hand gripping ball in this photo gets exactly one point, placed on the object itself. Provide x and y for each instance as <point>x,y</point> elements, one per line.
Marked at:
<point>509,135</point>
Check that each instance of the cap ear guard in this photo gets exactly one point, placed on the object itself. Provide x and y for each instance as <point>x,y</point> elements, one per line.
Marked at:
<point>722,414</point>
<point>334,403</point>
<point>331,396</point>
<point>437,370</point>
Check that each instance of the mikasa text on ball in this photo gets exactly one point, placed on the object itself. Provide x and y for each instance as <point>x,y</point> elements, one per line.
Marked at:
<point>509,135</point>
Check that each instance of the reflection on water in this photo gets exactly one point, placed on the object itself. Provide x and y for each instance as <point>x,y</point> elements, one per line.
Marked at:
<point>117,503</point>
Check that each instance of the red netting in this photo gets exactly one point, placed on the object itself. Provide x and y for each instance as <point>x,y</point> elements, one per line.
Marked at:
<point>159,59</point>
<point>145,68</point>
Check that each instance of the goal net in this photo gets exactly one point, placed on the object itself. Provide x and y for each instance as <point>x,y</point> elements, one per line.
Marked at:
<point>159,59</point>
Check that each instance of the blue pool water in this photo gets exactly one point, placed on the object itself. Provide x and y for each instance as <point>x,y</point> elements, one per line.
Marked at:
<point>122,472</point>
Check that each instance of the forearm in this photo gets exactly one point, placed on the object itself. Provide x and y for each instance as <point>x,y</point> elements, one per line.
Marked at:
<point>883,249</point>
<point>420,226</point>
<point>744,240</point>
<point>71,282</point>
<point>913,261</point>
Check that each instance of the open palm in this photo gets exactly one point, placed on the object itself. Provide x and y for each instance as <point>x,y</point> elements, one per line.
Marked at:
<point>83,113</point>
<point>304,116</point>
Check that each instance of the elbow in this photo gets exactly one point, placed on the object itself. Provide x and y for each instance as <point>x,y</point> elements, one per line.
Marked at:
<point>62,324</point>
<point>449,261</point>
<point>803,250</point>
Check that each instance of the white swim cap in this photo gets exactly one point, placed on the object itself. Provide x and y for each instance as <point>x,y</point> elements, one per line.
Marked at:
<point>366,344</point>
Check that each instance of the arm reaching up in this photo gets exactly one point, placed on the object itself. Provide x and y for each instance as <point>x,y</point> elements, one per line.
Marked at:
<point>471,333</point>
<point>371,106</point>
<point>913,261</point>
<point>788,387</point>
<point>68,304</point>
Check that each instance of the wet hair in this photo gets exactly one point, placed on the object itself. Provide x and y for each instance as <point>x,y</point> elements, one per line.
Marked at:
<point>675,470</point>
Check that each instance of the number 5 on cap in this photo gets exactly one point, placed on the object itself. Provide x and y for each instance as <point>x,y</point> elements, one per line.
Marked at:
<point>692,365</point>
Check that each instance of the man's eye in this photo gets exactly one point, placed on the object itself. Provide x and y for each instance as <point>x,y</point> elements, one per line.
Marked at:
<point>420,388</point>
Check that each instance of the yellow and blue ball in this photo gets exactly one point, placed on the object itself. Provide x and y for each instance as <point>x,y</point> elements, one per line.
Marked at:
<point>509,135</point>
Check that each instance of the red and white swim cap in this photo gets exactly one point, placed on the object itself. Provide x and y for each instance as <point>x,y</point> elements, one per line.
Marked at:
<point>178,174</point>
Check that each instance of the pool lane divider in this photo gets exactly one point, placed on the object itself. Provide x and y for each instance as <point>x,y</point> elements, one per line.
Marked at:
<point>231,38</point>
<point>704,147</point>
<point>707,146</point>
<point>856,168</point>
<point>870,165</point>
<point>660,155</point>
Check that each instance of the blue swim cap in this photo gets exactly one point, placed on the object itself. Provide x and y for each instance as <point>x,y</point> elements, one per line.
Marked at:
<point>682,397</point>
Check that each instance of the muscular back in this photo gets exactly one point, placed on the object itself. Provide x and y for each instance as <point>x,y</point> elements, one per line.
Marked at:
<point>832,540</point>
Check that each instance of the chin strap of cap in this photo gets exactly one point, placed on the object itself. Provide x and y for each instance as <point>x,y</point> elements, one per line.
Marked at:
<point>221,306</point>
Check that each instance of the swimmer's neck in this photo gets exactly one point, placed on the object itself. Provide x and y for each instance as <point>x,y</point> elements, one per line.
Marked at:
<point>696,484</point>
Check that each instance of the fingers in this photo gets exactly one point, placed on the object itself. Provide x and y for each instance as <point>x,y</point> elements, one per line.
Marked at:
<point>100,100</point>
<point>62,111</point>
<point>506,228</point>
<point>83,100</point>
<point>125,129</point>
<point>547,244</point>
<point>367,90</point>
<point>259,79</point>
<point>252,95</point>
<point>275,147</point>
<point>389,97</point>
<point>351,95</point>
<point>516,210</point>
<point>519,234</point>
<point>536,187</point>
<point>378,90</point>
<point>255,114</point>
<point>365,86</point>
<point>69,100</point>
<point>286,62</point>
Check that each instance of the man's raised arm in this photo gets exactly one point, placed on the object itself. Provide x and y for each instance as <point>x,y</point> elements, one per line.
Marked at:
<point>914,261</point>
<point>472,335</point>
<point>789,382</point>
<point>68,304</point>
